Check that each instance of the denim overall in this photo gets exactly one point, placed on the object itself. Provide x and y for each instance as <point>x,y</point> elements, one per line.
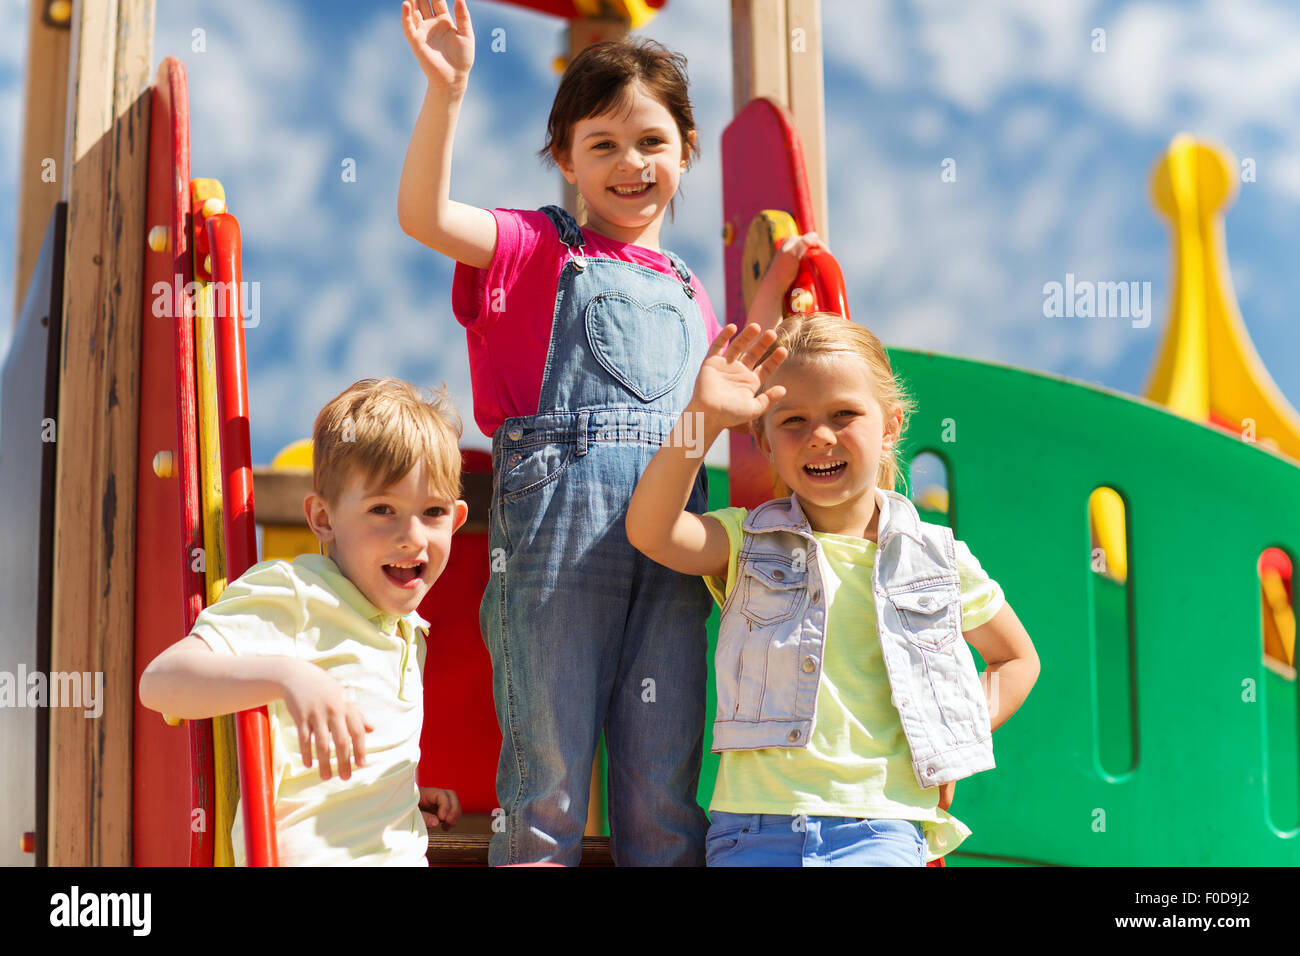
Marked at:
<point>585,631</point>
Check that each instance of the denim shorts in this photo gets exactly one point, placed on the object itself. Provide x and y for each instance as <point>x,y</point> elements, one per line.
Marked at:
<point>772,839</point>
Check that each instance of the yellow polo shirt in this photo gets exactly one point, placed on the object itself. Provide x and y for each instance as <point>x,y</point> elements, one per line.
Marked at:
<point>857,762</point>
<point>308,610</point>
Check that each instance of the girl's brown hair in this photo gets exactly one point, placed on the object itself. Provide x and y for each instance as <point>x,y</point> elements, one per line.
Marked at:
<point>823,334</point>
<point>600,79</point>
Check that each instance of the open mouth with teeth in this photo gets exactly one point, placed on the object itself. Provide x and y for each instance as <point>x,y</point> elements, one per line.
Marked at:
<point>826,469</point>
<point>404,574</point>
<point>640,189</point>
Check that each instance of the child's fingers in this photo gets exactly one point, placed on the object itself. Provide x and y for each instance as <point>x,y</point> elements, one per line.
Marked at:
<point>424,9</point>
<point>453,812</point>
<point>342,745</point>
<point>742,341</point>
<point>304,743</point>
<point>757,345</point>
<point>773,362</point>
<point>357,731</point>
<point>321,733</point>
<point>720,341</point>
<point>765,400</point>
<point>463,25</point>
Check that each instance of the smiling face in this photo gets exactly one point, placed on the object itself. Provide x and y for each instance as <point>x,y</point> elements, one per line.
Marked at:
<point>825,437</point>
<point>626,164</point>
<point>392,543</point>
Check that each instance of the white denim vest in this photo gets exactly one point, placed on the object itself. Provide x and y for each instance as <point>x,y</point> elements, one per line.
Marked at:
<point>769,655</point>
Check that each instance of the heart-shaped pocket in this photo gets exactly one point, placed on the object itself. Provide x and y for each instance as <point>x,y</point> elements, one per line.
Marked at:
<point>644,347</point>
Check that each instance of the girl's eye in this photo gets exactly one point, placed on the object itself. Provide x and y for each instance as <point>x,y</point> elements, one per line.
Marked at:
<point>792,418</point>
<point>653,140</point>
<point>380,509</point>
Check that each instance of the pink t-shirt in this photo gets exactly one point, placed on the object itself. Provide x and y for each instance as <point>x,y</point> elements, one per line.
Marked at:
<point>507,309</point>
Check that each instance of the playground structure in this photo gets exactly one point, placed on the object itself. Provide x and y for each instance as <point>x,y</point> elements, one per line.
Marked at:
<point>1142,686</point>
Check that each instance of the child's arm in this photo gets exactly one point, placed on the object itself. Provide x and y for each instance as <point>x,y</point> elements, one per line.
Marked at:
<point>658,524</point>
<point>190,681</point>
<point>425,211</point>
<point>1012,663</point>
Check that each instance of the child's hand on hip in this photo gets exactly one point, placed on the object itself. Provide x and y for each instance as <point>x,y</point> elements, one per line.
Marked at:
<point>728,379</point>
<point>320,710</point>
<point>439,807</point>
<point>444,48</point>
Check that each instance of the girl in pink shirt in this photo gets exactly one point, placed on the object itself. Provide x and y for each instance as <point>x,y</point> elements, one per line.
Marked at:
<point>584,343</point>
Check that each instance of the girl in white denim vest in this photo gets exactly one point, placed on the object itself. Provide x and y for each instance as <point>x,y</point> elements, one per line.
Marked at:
<point>821,716</point>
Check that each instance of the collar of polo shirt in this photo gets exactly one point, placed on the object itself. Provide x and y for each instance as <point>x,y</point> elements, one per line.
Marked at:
<point>349,592</point>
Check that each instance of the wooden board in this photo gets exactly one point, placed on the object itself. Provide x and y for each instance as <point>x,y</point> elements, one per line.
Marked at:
<point>776,180</point>
<point>166,525</point>
<point>94,516</point>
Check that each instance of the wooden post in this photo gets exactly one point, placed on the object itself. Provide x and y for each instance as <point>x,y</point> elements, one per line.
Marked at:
<point>40,170</point>
<point>582,34</point>
<point>103,174</point>
<point>776,52</point>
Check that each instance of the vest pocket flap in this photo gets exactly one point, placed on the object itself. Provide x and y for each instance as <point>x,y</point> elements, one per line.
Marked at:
<point>930,616</point>
<point>929,601</point>
<point>776,575</point>
<point>770,591</point>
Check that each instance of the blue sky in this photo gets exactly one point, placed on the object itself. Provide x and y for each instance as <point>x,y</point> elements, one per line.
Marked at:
<point>1053,143</point>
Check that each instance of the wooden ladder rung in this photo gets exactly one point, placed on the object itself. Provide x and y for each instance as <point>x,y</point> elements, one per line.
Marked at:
<point>471,849</point>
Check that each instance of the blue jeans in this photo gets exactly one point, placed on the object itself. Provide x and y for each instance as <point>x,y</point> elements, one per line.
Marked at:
<point>770,839</point>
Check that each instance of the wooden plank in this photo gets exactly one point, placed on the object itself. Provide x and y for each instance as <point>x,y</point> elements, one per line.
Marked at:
<point>471,849</point>
<point>43,130</point>
<point>759,58</point>
<point>582,34</point>
<point>94,518</point>
<point>807,99</point>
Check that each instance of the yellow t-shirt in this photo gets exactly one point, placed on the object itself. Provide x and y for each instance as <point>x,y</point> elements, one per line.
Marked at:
<point>307,609</point>
<point>857,762</point>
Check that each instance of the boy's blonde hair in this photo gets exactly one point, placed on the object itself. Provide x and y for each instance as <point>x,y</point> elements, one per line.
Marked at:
<point>819,335</point>
<point>382,428</point>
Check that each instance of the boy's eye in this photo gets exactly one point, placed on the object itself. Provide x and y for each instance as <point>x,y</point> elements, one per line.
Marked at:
<point>380,509</point>
<point>437,511</point>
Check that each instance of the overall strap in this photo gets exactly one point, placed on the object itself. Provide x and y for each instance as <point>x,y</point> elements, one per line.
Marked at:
<point>565,225</point>
<point>683,273</point>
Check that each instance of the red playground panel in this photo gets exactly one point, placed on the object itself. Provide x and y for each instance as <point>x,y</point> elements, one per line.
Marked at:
<point>461,741</point>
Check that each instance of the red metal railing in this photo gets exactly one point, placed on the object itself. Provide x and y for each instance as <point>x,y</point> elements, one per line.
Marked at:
<point>252,727</point>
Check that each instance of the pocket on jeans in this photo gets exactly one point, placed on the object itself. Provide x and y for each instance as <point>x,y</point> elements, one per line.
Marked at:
<point>893,828</point>
<point>720,846</point>
<point>528,469</point>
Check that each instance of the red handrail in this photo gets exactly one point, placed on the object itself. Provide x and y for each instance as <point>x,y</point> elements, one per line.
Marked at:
<point>252,727</point>
<point>819,285</point>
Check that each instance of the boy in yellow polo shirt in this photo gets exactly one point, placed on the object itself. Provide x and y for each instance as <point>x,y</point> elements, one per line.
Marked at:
<point>332,643</point>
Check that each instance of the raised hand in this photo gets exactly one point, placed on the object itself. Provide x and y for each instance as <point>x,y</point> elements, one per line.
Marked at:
<point>443,47</point>
<point>728,379</point>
